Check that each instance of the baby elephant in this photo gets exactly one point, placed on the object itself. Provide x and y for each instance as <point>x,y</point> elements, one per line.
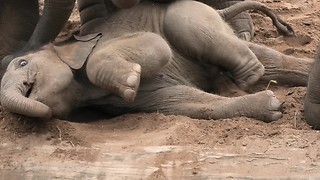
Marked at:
<point>151,58</point>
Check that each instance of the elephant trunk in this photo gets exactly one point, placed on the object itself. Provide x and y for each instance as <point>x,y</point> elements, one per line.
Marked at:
<point>312,100</point>
<point>283,27</point>
<point>13,99</point>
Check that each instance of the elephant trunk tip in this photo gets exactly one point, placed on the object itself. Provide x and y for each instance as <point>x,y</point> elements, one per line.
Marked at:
<point>16,103</point>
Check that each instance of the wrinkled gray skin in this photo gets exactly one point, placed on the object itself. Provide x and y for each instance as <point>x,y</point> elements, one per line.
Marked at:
<point>176,73</point>
<point>312,100</point>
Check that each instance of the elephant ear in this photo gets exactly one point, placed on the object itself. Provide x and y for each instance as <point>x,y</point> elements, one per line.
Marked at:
<point>75,51</point>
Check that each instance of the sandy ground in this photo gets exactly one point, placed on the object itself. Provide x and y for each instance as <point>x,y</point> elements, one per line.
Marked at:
<point>154,146</point>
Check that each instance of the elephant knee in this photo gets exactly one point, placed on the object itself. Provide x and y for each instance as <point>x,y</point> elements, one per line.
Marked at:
<point>157,48</point>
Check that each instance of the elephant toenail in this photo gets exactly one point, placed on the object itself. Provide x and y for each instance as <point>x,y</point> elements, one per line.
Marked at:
<point>245,36</point>
<point>276,116</point>
<point>269,93</point>
<point>132,80</point>
<point>129,95</point>
<point>243,86</point>
<point>137,68</point>
<point>253,79</point>
<point>275,104</point>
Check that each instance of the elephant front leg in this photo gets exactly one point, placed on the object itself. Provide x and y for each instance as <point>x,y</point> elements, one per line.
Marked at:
<point>204,36</point>
<point>194,103</point>
<point>286,70</point>
<point>118,64</point>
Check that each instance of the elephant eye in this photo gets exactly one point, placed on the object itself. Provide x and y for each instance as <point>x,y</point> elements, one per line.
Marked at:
<point>23,62</point>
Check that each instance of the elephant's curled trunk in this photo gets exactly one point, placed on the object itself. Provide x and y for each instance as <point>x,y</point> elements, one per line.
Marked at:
<point>13,100</point>
<point>283,27</point>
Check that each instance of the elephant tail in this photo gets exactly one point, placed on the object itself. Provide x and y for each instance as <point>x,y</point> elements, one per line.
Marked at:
<point>282,26</point>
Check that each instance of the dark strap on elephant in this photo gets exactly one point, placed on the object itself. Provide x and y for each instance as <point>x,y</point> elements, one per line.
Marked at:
<point>242,23</point>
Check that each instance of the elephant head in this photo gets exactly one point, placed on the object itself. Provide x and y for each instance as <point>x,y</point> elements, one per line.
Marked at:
<point>42,83</point>
<point>312,100</point>
<point>31,79</point>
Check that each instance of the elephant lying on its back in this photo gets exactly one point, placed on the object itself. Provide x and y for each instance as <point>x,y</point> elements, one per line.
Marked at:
<point>176,54</point>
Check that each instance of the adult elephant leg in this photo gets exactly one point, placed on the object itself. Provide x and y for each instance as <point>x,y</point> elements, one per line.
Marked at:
<point>206,37</point>
<point>286,70</point>
<point>194,103</point>
<point>242,23</point>
<point>55,15</point>
<point>116,66</point>
<point>312,100</point>
<point>18,18</point>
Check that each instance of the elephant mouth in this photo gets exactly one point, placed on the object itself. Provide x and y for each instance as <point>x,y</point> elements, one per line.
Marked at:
<point>29,87</point>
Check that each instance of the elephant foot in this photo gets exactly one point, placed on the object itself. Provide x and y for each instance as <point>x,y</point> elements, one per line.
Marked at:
<point>120,77</point>
<point>248,73</point>
<point>262,105</point>
<point>242,23</point>
<point>245,35</point>
<point>243,26</point>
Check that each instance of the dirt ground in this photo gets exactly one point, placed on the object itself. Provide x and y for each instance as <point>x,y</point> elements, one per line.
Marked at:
<point>155,146</point>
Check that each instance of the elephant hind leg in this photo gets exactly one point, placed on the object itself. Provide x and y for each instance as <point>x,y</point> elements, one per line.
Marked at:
<point>286,70</point>
<point>118,64</point>
<point>204,36</point>
<point>188,101</point>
